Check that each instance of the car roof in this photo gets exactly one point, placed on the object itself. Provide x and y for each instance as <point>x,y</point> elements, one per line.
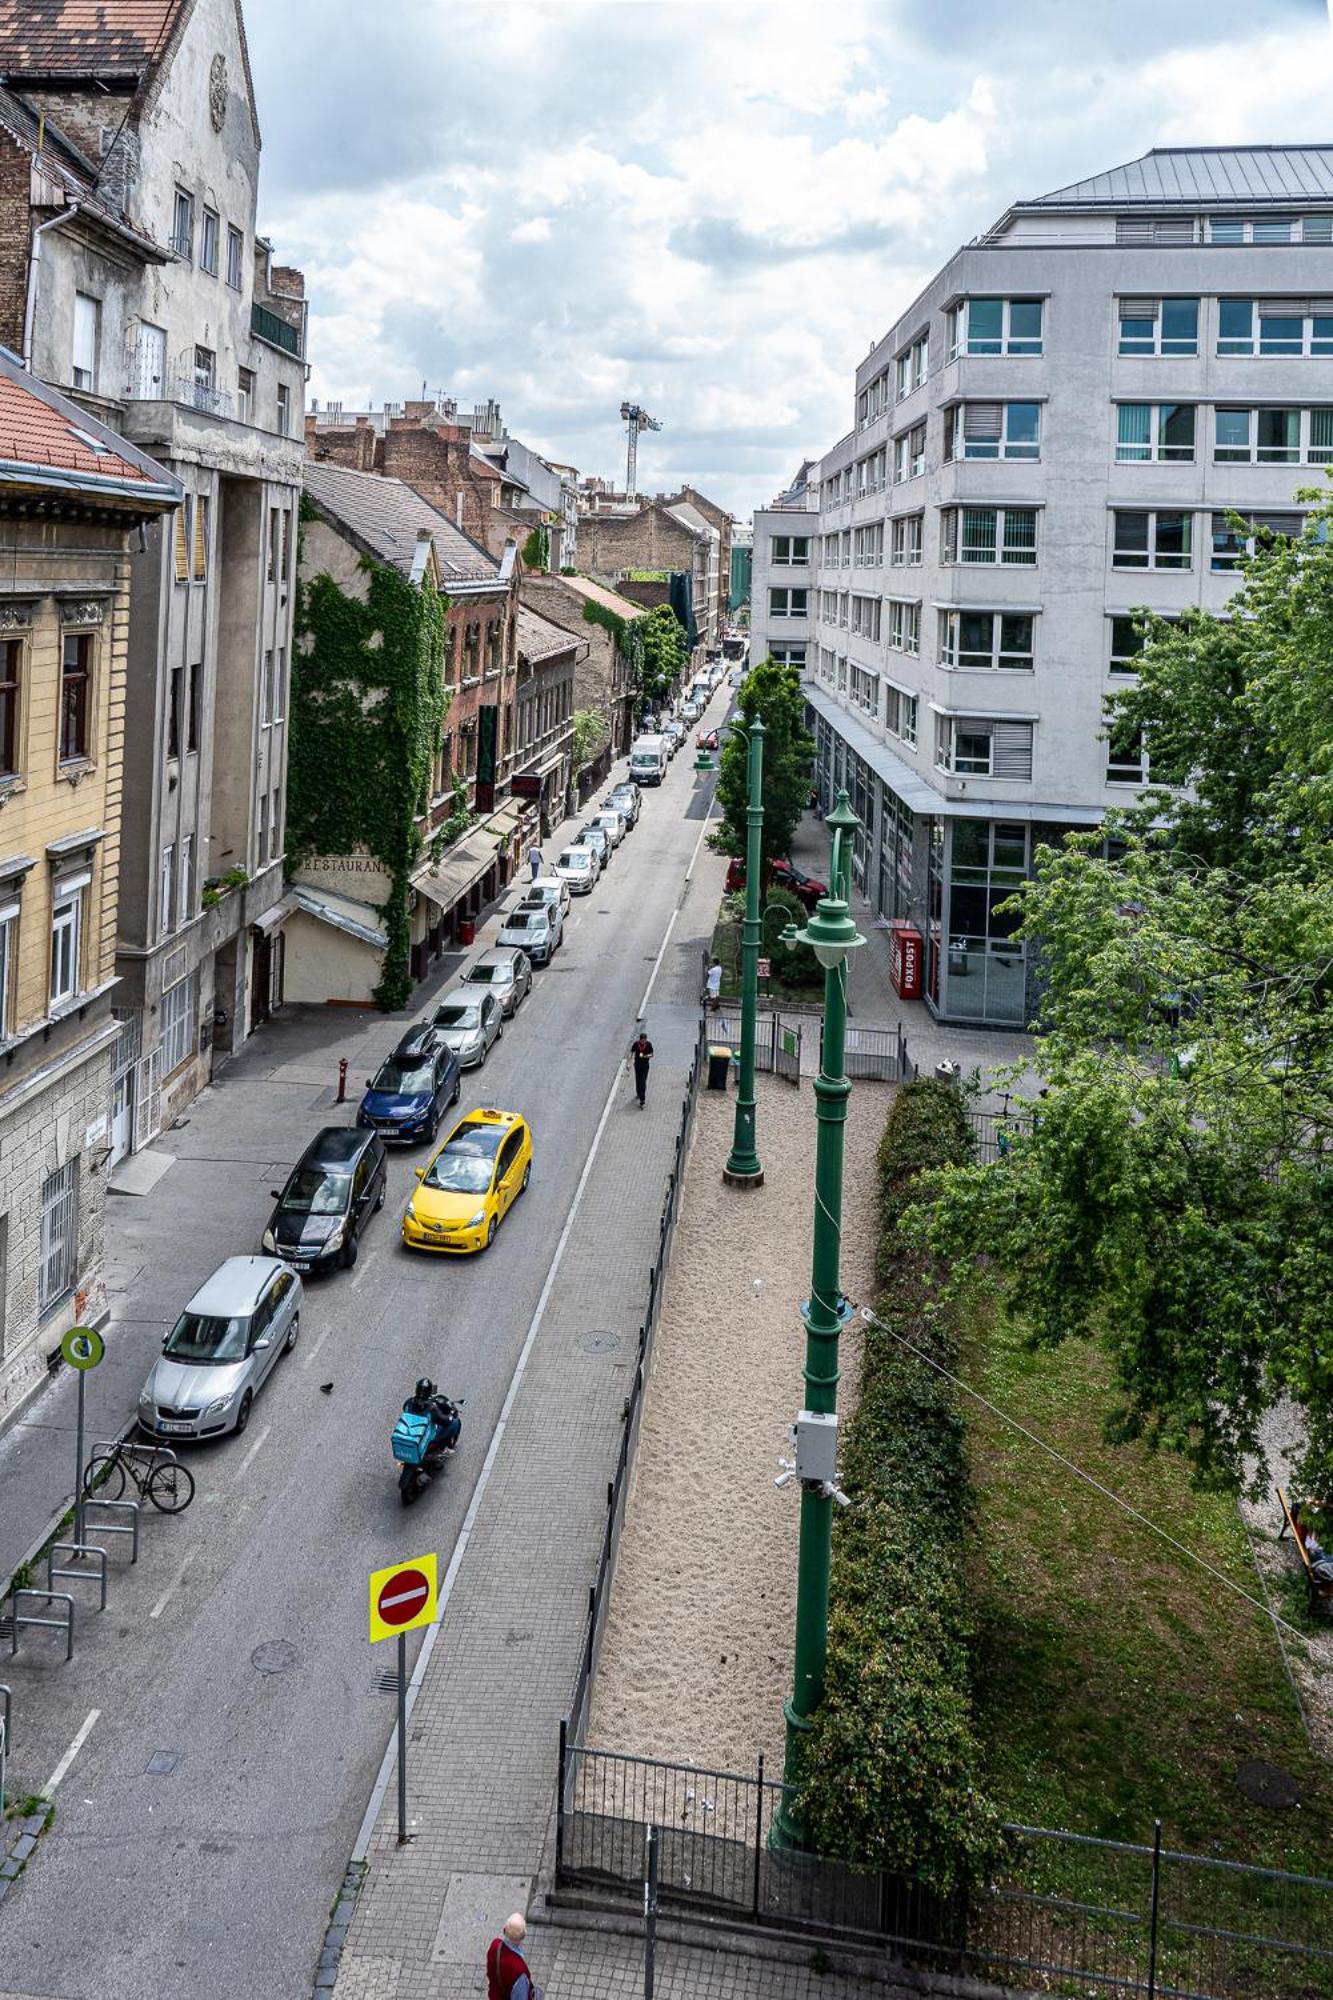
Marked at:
<point>483,1131</point>
<point>235,1286</point>
<point>525,911</point>
<point>468,1003</point>
<point>418,1041</point>
<point>503,956</point>
<point>336,1146</point>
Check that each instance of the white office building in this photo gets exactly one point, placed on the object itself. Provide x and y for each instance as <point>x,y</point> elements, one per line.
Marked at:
<point>1051,438</point>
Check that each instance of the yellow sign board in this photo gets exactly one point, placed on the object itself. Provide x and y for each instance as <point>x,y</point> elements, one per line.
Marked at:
<point>403,1597</point>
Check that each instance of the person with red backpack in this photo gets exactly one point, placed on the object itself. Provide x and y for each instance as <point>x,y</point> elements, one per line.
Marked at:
<point>507,1975</point>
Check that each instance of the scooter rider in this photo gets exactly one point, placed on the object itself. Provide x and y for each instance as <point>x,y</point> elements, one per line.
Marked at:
<point>426,1401</point>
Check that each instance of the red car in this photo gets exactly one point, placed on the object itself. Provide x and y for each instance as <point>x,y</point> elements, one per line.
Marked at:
<point>706,739</point>
<point>783,875</point>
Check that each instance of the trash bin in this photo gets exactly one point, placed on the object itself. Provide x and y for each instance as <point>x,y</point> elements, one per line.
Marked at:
<point>467,930</point>
<point>719,1063</point>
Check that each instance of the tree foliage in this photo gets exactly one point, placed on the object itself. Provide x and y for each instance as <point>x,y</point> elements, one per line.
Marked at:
<point>1175,1199</point>
<point>772,693</point>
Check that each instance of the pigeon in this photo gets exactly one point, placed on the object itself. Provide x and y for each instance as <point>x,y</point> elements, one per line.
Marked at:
<point>326,1388</point>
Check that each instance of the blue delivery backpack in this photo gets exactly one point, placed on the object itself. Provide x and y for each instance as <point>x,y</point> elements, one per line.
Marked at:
<point>411,1435</point>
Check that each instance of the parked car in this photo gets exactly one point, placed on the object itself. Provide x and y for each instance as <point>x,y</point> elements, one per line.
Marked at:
<point>781,875</point>
<point>331,1193</point>
<point>417,1037</point>
<point>627,800</point>
<point>470,1024</point>
<point>548,889</point>
<point>221,1350</point>
<point>505,973</point>
<point>674,733</point>
<point>408,1094</point>
<point>580,868</point>
<point>706,739</point>
<point>615,823</point>
<point>595,836</point>
<point>534,930</point>
<point>469,1187</point>
<point>690,712</point>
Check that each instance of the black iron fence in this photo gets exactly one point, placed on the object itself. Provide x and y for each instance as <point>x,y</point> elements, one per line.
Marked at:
<point>1062,1912</point>
<point>996,1133</point>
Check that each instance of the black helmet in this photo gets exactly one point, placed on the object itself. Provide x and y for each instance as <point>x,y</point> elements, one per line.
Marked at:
<point>425,1389</point>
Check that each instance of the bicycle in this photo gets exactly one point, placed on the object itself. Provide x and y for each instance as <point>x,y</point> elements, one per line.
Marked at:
<point>164,1482</point>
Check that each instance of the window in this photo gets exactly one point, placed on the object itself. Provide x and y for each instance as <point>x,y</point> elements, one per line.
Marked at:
<point>1125,761</point>
<point>284,528</point>
<point>87,331</point>
<point>199,569</point>
<point>192,706</point>
<point>904,626</point>
<point>907,538</point>
<point>1159,326</point>
<point>180,1007</point>
<point>1159,540</point>
<point>166,891</point>
<point>11,667</point>
<point>865,617</point>
<point>785,656</point>
<point>991,640</point>
<point>903,375</point>
<point>995,326</point>
<point>1175,229</point>
<point>275,826</point>
<point>182,224</point>
<point>992,430</point>
<point>1129,636</point>
<point>235,240</point>
<point>284,410</point>
<point>1285,326</point>
<point>1273,436</point>
<point>66,925</point>
<point>76,662</point>
<point>865,689</point>
<point>868,546</point>
<point>209,235</point>
<point>1161,431</point>
<point>791,549</point>
<point>785,603</point>
<point>245,395</point>
<point>9,918</point>
<point>175,710</point>
<point>186,904</point>
<point>205,370</point>
<point>261,827</point>
<point>1232,543</point>
<point>983,746</point>
<point>59,1241</point>
<point>1006,535</point>
<point>279,684</point>
<point>181,540</point>
<point>920,360</point>
<point>900,713</point>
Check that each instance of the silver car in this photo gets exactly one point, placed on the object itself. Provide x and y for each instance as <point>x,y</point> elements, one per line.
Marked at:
<point>222,1349</point>
<point>595,836</point>
<point>580,867</point>
<point>469,1024</point>
<point>549,889</point>
<point>504,973</point>
<point>627,801</point>
<point>615,822</point>
<point>535,930</point>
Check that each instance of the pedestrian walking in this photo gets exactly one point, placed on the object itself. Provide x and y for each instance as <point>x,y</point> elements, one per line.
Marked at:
<point>641,1054</point>
<point>534,861</point>
<point>714,984</point>
<point>507,1975</point>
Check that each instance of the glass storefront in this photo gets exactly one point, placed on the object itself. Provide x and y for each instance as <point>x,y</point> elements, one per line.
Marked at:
<point>988,861</point>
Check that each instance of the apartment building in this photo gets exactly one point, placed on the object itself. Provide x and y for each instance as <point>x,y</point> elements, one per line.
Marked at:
<point>782,576</point>
<point>133,279</point>
<point>1053,437</point>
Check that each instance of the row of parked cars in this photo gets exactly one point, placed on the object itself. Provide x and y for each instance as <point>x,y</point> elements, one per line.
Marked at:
<point>248,1314</point>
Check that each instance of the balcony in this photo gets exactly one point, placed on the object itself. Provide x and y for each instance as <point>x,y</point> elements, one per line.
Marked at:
<point>270,326</point>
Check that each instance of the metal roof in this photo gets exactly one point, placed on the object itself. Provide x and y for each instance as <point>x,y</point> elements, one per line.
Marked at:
<point>1169,174</point>
<point>391,517</point>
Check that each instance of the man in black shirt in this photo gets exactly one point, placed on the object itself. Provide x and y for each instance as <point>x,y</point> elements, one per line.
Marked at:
<point>641,1054</point>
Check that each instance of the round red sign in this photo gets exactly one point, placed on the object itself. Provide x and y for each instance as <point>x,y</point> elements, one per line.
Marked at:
<point>402,1597</point>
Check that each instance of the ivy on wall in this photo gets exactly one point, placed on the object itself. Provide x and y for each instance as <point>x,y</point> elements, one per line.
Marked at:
<point>537,549</point>
<point>653,645</point>
<point>368,705</point>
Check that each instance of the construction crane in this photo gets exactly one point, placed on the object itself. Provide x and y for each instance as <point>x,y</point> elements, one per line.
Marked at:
<point>636,419</point>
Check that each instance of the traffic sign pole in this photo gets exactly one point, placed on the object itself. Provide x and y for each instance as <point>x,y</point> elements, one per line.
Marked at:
<point>83,1347</point>
<point>78,1464</point>
<point>402,1739</point>
<point>402,1597</point>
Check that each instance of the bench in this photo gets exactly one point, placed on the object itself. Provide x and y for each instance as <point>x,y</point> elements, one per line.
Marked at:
<point>1321,1594</point>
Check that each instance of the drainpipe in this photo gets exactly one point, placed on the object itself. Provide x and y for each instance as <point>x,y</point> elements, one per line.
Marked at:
<point>34,259</point>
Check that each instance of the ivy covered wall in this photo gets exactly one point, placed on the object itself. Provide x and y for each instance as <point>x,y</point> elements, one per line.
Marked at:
<point>367,707</point>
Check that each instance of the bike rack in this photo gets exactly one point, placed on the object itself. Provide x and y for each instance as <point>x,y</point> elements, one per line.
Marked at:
<point>65,1624</point>
<point>77,1550</point>
<point>130,1507</point>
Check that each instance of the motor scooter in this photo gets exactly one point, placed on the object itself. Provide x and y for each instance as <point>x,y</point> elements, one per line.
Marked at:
<point>422,1444</point>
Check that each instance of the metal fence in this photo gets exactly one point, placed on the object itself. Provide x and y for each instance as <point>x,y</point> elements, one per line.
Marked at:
<point>995,1133</point>
<point>1061,1912</point>
<point>599,1591</point>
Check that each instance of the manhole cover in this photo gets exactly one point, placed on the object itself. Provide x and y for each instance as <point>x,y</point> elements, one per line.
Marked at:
<point>600,1341</point>
<point>162,1763</point>
<point>275,1656</point>
<point>1267,1785</point>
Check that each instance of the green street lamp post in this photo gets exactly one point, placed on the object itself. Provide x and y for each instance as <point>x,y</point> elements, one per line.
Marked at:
<point>743,1168</point>
<point>832,935</point>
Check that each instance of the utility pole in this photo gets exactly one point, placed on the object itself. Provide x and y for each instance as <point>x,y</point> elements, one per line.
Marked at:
<point>637,419</point>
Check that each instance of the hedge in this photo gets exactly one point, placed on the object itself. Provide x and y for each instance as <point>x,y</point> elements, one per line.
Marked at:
<point>889,1773</point>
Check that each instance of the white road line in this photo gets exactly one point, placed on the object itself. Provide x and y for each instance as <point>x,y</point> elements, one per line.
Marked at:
<point>315,1346</point>
<point>363,1268</point>
<point>82,1737</point>
<point>171,1589</point>
<point>246,1462</point>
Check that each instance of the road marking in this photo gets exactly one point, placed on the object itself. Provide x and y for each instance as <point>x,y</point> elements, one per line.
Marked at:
<point>80,1739</point>
<point>171,1589</point>
<point>245,1463</point>
<point>363,1268</point>
<point>314,1348</point>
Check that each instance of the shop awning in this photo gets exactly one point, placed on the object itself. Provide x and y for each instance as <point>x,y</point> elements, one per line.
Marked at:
<point>445,880</point>
<point>273,918</point>
<point>502,824</point>
<point>355,920</point>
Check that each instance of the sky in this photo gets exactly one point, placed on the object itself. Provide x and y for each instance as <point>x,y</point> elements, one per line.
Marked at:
<point>710,207</point>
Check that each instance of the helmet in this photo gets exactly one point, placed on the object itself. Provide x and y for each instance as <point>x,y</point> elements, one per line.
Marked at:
<point>425,1389</point>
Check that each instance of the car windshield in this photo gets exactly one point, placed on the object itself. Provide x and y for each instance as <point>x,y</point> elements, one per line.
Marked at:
<point>203,1337</point>
<point>490,975</point>
<point>314,1191</point>
<point>571,858</point>
<point>458,1016</point>
<point>518,921</point>
<point>465,1164</point>
<point>403,1079</point>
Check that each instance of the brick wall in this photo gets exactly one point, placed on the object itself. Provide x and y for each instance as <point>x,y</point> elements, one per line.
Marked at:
<point>355,446</point>
<point>436,459</point>
<point>15,220</point>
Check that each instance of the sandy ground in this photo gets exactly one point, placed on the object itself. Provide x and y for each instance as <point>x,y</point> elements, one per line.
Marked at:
<point>696,1656</point>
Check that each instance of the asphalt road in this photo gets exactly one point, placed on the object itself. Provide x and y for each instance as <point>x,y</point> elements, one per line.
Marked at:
<point>226,1707</point>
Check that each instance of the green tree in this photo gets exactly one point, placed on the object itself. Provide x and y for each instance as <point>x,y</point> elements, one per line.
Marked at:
<point>773,693</point>
<point>664,655</point>
<point>1175,1199</point>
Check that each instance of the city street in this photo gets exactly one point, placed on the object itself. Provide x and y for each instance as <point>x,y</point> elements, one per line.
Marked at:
<point>227,1707</point>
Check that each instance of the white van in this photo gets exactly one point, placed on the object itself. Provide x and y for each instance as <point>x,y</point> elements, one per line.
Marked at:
<point>648,760</point>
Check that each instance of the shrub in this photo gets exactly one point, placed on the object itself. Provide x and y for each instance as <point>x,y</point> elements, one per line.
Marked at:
<point>889,1768</point>
<point>793,964</point>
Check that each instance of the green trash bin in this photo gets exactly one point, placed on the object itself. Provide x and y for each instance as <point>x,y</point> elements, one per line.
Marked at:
<point>719,1063</point>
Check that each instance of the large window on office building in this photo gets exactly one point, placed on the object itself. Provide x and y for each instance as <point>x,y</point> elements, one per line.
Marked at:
<point>988,862</point>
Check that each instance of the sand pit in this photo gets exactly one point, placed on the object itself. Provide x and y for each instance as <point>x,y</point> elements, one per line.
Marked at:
<point>696,1657</point>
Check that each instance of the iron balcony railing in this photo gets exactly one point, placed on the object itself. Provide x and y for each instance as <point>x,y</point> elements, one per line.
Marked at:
<point>277,331</point>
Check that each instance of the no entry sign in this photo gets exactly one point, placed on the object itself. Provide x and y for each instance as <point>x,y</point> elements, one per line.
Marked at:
<point>403,1597</point>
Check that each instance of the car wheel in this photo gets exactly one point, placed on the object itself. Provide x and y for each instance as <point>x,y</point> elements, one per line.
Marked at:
<point>527,1173</point>
<point>293,1334</point>
<point>458,1089</point>
<point>349,1252</point>
<point>485,1051</point>
<point>500,1032</point>
<point>384,1184</point>
<point>432,1133</point>
<point>243,1414</point>
<point>490,1233</point>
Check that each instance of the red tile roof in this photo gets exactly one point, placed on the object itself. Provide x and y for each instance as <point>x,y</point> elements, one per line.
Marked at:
<point>83,37</point>
<point>32,433</point>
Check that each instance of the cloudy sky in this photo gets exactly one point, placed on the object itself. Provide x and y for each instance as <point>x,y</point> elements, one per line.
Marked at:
<point>711,207</point>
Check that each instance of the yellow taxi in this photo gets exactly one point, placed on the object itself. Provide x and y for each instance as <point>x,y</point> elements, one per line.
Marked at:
<point>470,1184</point>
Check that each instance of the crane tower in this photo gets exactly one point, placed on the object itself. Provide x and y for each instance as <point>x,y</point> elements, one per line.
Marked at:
<point>636,419</point>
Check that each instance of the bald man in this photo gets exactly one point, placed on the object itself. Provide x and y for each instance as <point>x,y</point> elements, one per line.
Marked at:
<point>507,1975</point>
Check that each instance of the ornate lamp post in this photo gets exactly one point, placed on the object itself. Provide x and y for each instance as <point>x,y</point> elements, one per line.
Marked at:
<point>743,1168</point>
<point>832,935</point>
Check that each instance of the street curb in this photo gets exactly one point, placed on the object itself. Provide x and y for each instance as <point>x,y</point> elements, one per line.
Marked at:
<point>335,1935</point>
<point>21,1843</point>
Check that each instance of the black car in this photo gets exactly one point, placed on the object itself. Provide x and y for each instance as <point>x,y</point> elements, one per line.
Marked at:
<point>408,1094</point>
<point>333,1188</point>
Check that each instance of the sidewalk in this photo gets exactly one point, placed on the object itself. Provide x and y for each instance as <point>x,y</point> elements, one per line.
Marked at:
<point>599,1965</point>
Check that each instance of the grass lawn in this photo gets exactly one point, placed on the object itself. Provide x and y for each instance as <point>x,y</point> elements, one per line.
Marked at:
<point>1117,1680</point>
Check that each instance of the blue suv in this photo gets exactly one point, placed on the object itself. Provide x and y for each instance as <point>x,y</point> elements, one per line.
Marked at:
<point>412,1090</point>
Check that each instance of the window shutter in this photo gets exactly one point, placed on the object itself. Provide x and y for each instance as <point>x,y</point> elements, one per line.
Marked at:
<point>1317,229</point>
<point>1011,749</point>
<point>1279,524</point>
<point>1173,229</point>
<point>200,536</point>
<point>182,544</point>
<point>1133,229</point>
<point>1283,308</point>
<point>983,420</point>
<point>1140,308</point>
